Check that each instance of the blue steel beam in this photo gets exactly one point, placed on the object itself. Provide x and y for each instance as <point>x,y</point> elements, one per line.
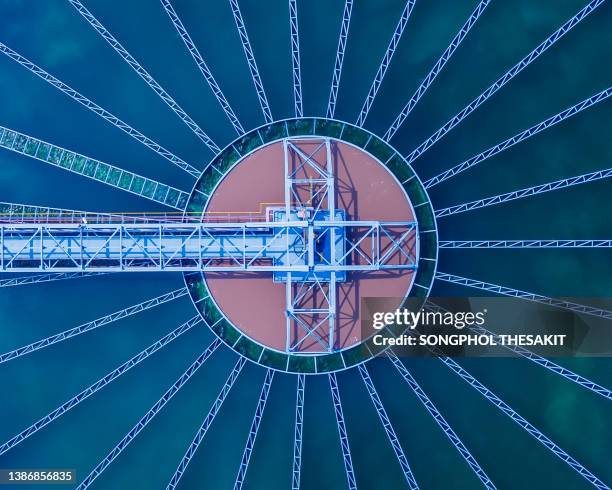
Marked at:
<point>525,244</point>
<point>504,79</point>
<point>197,57</point>
<point>526,192</point>
<point>295,58</point>
<point>144,421</point>
<point>250,443</point>
<point>144,74</point>
<point>392,436</point>
<point>540,361</point>
<point>518,138</point>
<point>437,68</point>
<point>93,169</point>
<point>297,434</point>
<point>384,64</point>
<point>333,91</point>
<point>441,421</point>
<point>98,385</point>
<point>248,52</point>
<point>38,278</point>
<point>103,113</point>
<point>208,420</point>
<point>87,327</point>
<point>344,442</point>
<point>522,422</point>
<point>517,293</point>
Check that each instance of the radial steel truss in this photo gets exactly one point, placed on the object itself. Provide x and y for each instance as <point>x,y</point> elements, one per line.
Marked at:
<point>441,421</point>
<point>144,421</point>
<point>504,79</point>
<point>335,84</point>
<point>518,138</point>
<point>517,293</point>
<point>208,420</point>
<point>437,68</point>
<point>248,51</point>
<point>297,433</point>
<point>92,325</point>
<point>386,422</point>
<point>197,57</point>
<point>525,244</point>
<point>386,61</point>
<point>250,443</point>
<point>344,442</point>
<point>103,113</point>
<point>98,385</point>
<point>144,74</point>
<point>526,192</point>
<point>93,169</point>
<point>295,58</point>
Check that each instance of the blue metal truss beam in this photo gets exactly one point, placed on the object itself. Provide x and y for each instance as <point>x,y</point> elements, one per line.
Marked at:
<point>518,138</point>
<point>522,422</point>
<point>297,434</point>
<point>144,421</point>
<point>208,420</point>
<point>335,84</point>
<point>197,57</point>
<point>38,278</point>
<point>98,385</point>
<point>517,293</point>
<point>344,442</point>
<point>93,169</point>
<point>441,421</point>
<point>103,113</point>
<point>392,436</point>
<point>295,58</point>
<point>540,361</point>
<point>526,192</point>
<point>144,74</point>
<point>87,327</point>
<point>384,64</point>
<point>248,51</point>
<point>437,68</point>
<point>250,443</point>
<point>506,78</point>
<point>525,244</point>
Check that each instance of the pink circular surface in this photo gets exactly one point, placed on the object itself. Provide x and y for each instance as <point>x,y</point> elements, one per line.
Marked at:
<point>365,189</point>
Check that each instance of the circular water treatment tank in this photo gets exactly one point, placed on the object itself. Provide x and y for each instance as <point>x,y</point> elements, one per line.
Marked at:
<point>246,182</point>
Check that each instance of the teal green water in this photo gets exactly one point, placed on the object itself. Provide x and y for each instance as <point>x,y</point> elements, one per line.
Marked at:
<point>53,35</point>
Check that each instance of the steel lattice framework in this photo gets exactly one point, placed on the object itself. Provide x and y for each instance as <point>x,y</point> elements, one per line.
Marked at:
<point>208,420</point>
<point>197,57</point>
<point>504,79</point>
<point>295,58</point>
<point>144,421</point>
<point>522,136</point>
<point>38,278</point>
<point>526,192</point>
<point>437,68</point>
<point>103,113</point>
<point>344,442</point>
<point>93,169</point>
<point>298,431</point>
<point>441,421</point>
<point>144,74</point>
<point>525,244</point>
<point>386,61</point>
<point>248,51</point>
<point>89,326</point>
<point>517,293</point>
<point>386,422</point>
<point>335,84</point>
<point>98,385</point>
<point>250,443</point>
